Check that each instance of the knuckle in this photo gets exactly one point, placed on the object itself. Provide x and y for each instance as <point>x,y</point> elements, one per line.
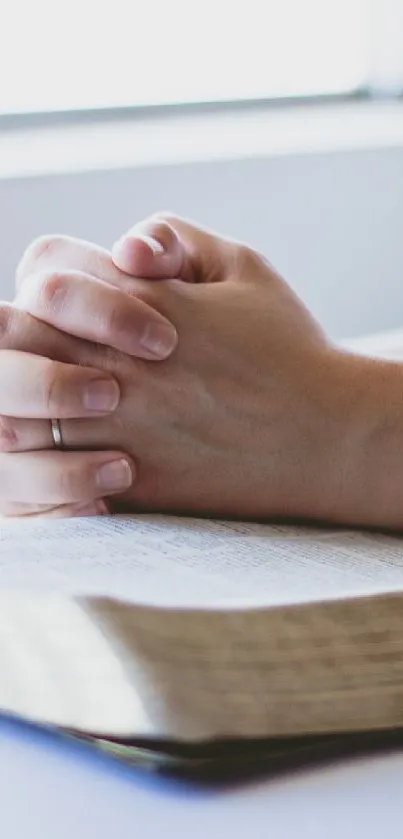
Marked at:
<point>41,248</point>
<point>6,316</point>
<point>52,386</point>
<point>52,289</point>
<point>248,261</point>
<point>8,436</point>
<point>245,253</point>
<point>44,245</point>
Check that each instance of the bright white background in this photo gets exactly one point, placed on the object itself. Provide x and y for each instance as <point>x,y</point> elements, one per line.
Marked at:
<point>332,221</point>
<point>87,53</point>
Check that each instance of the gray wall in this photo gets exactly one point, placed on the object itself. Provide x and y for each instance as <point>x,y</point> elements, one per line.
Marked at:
<point>332,223</point>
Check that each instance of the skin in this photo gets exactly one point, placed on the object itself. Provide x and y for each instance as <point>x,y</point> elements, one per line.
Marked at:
<point>254,413</point>
<point>39,386</point>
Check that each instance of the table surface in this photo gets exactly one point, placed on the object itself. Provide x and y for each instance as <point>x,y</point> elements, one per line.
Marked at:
<point>52,789</point>
<point>56,789</point>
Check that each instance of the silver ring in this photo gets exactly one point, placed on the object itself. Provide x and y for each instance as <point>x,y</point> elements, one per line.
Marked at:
<point>57,435</point>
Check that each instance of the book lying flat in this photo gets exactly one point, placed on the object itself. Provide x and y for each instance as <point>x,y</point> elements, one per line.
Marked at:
<point>192,632</point>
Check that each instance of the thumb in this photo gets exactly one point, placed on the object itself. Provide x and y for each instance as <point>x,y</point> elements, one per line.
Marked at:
<point>167,247</point>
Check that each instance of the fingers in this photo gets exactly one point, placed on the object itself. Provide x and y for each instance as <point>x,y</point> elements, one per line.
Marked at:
<point>20,331</point>
<point>161,247</point>
<point>154,250</point>
<point>81,305</point>
<point>56,478</point>
<point>30,435</point>
<point>167,247</point>
<point>29,511</point>
<point>35,387</point>
<point>65,511</point>
<point>51,254</point>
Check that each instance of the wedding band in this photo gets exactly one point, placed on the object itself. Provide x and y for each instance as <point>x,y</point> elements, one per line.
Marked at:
<point>57,435</point>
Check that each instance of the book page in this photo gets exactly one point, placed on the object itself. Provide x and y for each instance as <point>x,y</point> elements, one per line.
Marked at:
<point>196,562</point>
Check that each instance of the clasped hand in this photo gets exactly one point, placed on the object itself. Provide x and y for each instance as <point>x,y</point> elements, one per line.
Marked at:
<point>205,387</point>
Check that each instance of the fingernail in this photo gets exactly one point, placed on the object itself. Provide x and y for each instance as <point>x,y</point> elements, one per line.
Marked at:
<point>156,246</point>
<point>159,339</point>
<point>114,476</point>
<point>96,508</point>
<point>101,395</point>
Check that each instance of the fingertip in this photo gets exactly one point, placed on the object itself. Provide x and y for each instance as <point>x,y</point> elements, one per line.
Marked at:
<point>151,250</point>
<point>114,475</point>
<point>159,340</point>
<point>95,508</point>
<point>135,255</point>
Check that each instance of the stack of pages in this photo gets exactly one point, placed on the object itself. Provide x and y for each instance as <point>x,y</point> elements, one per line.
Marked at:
<point>176,641</point>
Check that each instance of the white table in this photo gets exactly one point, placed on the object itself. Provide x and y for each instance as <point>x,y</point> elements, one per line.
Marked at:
<point>52,789</point>
<point>57,790</point>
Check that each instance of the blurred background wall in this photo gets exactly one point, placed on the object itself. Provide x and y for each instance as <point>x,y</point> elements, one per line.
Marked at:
<point>331,223</point>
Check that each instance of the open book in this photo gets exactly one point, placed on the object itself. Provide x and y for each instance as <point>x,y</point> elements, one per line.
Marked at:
<point>190,631</point>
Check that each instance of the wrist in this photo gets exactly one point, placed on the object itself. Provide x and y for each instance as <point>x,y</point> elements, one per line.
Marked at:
<point>364,461</point>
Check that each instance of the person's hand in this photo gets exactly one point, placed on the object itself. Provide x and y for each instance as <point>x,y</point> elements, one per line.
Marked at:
<point>37,387</point>
<point>55,265</point>
<point>248,416</point>
<point>33,389</point>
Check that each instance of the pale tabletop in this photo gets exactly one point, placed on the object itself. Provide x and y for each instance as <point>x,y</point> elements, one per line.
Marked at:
<point>384,344</point>
<point>52,789</point>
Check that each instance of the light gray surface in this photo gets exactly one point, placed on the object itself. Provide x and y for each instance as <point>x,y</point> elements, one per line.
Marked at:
<point>331,223</point>
<point>57,790</point>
